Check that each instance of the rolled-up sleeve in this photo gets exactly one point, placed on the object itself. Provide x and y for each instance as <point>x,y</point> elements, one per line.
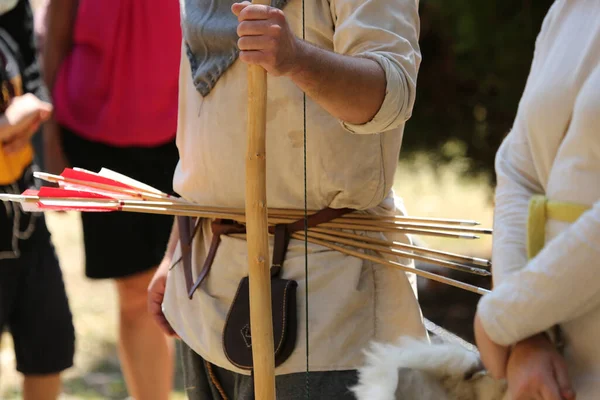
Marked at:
<point>386,32</point>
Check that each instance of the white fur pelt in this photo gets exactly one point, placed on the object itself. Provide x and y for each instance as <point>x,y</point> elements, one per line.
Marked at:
<point>417,370</point>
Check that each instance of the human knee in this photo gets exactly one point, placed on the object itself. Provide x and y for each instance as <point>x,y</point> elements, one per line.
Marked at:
<point>133,296</point>
<point>132,309</point>
<point>41,387</point>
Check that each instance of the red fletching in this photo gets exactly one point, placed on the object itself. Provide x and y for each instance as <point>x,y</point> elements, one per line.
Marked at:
<point>86,176</point>
<point>72,194</point>
<point>55,199</point>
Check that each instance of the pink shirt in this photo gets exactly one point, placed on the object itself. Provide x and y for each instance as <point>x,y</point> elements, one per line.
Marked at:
<point>119,84</point>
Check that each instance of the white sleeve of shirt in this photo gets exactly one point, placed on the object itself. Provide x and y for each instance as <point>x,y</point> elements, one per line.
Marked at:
<point>561,282</point>
<point>388,33</point>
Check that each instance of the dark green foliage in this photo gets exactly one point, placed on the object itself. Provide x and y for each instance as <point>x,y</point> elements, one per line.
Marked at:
<point>476,58</point>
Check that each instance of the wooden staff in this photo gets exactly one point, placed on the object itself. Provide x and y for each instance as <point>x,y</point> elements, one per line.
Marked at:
<point>261,316</point>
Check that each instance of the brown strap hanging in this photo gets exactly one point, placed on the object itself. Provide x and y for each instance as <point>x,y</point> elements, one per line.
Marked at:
<point>188,227</point>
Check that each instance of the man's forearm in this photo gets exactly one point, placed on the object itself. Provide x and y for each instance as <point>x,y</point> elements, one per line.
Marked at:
<point>351,89</point>
<point>60,16</point>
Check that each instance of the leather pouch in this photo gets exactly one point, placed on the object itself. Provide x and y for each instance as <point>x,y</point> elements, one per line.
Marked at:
<point>237,334</point>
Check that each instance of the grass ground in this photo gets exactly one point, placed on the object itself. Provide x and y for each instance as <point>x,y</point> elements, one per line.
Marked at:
<point>96,374</point>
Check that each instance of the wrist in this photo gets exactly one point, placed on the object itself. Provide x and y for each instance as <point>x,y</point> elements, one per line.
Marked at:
<point>541,340</point>
<point>301,59</point>
<point>551,338</point>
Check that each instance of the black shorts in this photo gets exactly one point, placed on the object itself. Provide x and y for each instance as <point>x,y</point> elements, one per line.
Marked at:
<point>34,305</point>
<point>120,244</point>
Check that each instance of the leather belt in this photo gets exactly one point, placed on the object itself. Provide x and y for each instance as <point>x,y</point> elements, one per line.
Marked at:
<point>188,227</point>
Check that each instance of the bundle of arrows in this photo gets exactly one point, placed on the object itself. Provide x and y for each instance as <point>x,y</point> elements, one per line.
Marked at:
<point>105,191</point>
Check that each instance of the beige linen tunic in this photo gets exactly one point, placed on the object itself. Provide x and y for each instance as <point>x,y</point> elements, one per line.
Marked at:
<point>553,149</point>
<point>351,302</point>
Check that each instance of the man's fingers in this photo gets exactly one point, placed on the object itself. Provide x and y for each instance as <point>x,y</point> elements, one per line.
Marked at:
<point>27,107</point>
<point>561,374</point>
<point>253,12</point>
<point>155,296</point>
<point>527,395</point>
<point>164,324</point>
<point>260,43</point>
<point>45,112</point>
<point>548,385</point>
<point>550,391</point>
<point>529,390</point>
<point>255,28</point>
<point>237,8</point>
<point>265,59</point>
<point>538,384</point>
<point>45,106</point>
<point>155,309</point>
<point>251,56</point>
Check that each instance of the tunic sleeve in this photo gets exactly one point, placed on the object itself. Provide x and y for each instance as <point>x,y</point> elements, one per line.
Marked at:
<point>560,284</point>
<point>388,33</point>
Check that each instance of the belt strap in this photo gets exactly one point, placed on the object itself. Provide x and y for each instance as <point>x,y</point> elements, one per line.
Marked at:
<point>187,229</point>
<point>283,232</point>
<point>540,210</point>
<point>220,227</point>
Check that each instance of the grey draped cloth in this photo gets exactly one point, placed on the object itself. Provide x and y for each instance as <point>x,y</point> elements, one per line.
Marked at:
<point>210,36</point>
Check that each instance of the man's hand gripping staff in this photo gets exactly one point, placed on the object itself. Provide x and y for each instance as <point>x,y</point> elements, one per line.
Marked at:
<point>266,38</point>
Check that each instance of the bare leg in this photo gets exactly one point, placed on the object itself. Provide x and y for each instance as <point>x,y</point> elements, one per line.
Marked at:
<point>146,353</point>
<point>41,387</point>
